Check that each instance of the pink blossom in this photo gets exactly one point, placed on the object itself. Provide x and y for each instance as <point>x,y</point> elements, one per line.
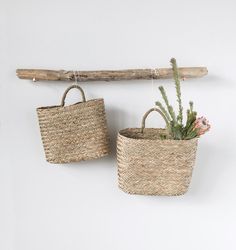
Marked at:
<point>201,125</point>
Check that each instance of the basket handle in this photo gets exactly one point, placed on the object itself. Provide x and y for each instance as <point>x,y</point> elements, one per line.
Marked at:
<point>146,115</point>
<point>75,86</point>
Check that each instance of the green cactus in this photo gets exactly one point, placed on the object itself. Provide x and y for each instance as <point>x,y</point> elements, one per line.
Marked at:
<point>177,130</point>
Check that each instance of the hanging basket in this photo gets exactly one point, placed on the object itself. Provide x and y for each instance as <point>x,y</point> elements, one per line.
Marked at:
<point>76,132</point>
<point>150,165</point>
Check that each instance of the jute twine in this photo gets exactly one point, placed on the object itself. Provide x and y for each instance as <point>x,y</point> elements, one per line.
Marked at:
<point>76,132</point>
<point>150,165</point>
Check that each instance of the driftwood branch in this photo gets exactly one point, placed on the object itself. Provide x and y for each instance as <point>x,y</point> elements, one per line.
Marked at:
<point>108,75</point>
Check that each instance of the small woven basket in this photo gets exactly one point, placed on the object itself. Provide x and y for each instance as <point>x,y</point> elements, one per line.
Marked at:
<point>76,132</point>
<point>150,165</point>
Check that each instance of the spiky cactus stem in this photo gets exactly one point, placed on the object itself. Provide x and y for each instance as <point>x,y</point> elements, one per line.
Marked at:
<point>178,90</point>
<point>164,111</point>
<point>169,107</point>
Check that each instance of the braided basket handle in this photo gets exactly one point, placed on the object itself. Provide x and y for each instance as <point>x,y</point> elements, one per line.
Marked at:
<point>75,86</point>
<point>146,115</point>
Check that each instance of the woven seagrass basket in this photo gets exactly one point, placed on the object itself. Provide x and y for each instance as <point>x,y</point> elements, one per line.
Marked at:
<point>150,165</point>
<point>76,132</point>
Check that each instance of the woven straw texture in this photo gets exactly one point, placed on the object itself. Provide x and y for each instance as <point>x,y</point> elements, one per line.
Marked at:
<point>76,132</point>
<point>150,165</point>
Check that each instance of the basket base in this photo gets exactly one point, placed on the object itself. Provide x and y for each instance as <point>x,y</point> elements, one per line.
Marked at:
<point>78,159</point>
<point>153,193</point>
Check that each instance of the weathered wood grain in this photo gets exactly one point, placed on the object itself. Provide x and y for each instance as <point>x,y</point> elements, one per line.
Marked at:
<point>108,75</point>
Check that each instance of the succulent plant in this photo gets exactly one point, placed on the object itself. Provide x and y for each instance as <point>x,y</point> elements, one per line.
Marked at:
<point>194,126</point>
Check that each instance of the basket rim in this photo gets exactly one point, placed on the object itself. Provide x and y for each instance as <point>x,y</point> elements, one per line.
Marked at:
<point>66,106</point>
<point>149,140</point>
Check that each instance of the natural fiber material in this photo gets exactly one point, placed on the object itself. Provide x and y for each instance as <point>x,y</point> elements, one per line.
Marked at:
<point>150,165</point>
<point>76,132</point>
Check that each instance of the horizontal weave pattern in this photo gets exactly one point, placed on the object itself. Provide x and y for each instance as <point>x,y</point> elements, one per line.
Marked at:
<point>74,133</point>
<point>150,166</point>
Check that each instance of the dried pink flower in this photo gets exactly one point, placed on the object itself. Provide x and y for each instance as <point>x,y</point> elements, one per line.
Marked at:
<point>201,125</point>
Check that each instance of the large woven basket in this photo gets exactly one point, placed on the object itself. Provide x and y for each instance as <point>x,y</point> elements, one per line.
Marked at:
<point>150,165</point>
<point>76,132</point>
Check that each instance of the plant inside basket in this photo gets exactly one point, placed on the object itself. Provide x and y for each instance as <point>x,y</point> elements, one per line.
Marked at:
<point>177,130</point>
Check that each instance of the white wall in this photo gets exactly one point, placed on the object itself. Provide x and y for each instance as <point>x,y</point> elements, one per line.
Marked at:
<point>78,206</point>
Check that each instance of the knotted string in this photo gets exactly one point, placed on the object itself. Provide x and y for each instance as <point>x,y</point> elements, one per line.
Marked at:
<point>76,78</point>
